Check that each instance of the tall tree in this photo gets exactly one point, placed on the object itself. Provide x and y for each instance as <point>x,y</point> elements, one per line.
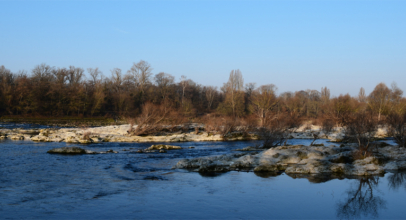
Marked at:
<point>263,100</point>
<point>233,90</point>
<point>141,72</point>
<point>379,99</point>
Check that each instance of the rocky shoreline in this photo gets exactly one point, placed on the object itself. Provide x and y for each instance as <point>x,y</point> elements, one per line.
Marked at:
<point>119,133</point>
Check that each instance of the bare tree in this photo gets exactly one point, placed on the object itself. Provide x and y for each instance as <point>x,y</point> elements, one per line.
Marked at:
<point>327,126</point>
<point>117,81</point>
<point>184,82</point>
<point>325,94</point>
<point>75,75</point>
<point>277,130</point>
<point>263,101</point>
<point>210,93</point>
<point>141,72</point>
<point>379,99</point>
<point>6,80</point>
<point>94,73</point>
<point>395,98</point>
<point>151,119</point>
<point>361,95</point>
<point>361,128</point>
<point>232,88</point>
<point>164,81</point>
<point>42,72</point>
<point>397,127</point>
<point>249,88</point>
<point>98,97</point>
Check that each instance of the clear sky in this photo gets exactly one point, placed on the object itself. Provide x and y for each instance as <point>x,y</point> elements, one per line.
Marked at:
<point>293,44</point>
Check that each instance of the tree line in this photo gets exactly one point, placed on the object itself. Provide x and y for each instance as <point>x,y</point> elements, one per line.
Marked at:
<point>50,91</point>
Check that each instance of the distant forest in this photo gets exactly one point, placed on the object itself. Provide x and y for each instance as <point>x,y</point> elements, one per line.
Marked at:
<point>55,92</point>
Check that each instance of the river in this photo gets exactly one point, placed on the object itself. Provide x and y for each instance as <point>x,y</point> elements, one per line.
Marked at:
<point>37,185</point>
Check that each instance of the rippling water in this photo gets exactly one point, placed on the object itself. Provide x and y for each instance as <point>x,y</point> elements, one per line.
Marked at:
<point>34,184</point>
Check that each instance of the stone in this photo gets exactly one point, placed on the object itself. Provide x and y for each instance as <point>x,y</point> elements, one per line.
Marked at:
<point>85,141</point>
<point>16,137</point>
<point>163,146</point>
<point>299,159</point>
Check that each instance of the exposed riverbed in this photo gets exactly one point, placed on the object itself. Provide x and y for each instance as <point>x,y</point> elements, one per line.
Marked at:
<point>34,184</point>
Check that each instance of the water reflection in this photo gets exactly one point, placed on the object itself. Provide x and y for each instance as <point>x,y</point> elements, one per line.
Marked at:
<point>267,174</point>
<point>396,180</point>
<point>317,178</point>
<point>211,174</point>
<point>361,200</point>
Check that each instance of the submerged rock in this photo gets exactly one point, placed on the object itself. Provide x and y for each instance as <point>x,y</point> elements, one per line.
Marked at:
<point>77,150</point>
<point>248,149</point>
<point>68,150</point>
<point>163,146</point>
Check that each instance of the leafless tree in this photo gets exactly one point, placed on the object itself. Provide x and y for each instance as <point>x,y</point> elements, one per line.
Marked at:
<point>263,101</point>
<point>397,127</point>
<point>325,94</point>
<point>164,81</point>
<point>234,86</point>
<point>361,128</point>
<point>75,75</point>
<point>277,131</point>
<point>42,72</point>
<point>361,95</point>
<point>141,72</point>
<point>210,93</point>
<point>379,99</point>
<point>95,74</point>
<point>184,82</point>
<point>327,126</point>
<point>151,118</point>
<point>249,88</point>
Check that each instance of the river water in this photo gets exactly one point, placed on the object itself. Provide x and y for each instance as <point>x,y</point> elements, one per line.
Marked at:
<point>129,185</point>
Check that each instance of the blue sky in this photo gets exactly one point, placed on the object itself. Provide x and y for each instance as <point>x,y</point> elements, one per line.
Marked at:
<point>293,44</point>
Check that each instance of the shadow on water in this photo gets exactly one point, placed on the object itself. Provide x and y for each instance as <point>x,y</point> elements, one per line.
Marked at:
<point>362,200</point>
<point>318,178</point>
<point>211,174</point>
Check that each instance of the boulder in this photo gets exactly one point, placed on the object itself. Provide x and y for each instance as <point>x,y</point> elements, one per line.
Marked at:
<point>85,141</point>
<point>71,139</point>
<point>163,146</point>
<point>40,138</point>
<point>16,137</point>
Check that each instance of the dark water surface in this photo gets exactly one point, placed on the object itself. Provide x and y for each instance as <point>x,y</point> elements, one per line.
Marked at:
<point>128,185</point>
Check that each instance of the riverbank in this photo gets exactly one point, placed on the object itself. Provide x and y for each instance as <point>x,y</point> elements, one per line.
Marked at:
<point>120,133</point>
